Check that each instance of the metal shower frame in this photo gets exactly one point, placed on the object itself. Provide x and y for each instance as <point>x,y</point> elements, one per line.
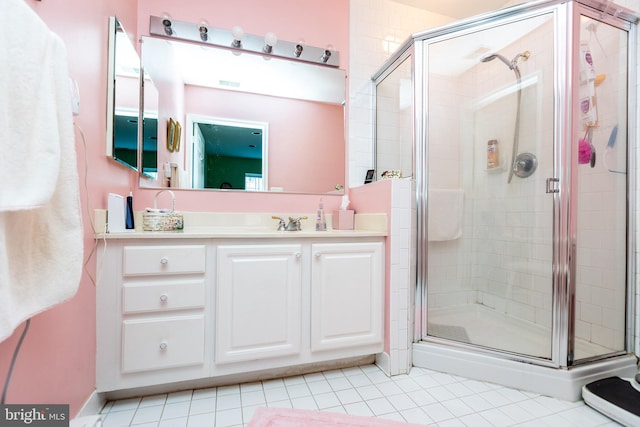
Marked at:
<point>566,16</point>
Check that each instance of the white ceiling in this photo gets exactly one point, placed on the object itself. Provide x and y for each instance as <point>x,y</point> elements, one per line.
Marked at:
<point>457,8</point>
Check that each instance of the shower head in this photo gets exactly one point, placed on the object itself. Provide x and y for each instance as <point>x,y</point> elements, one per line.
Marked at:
<point>492,56</point>
<point>513,64</point>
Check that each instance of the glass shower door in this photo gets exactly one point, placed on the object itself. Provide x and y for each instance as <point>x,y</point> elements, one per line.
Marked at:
<point>489,209</point>
<point>601,189</point>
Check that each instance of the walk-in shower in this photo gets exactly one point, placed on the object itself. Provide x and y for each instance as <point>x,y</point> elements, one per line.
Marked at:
<point>525,279</point>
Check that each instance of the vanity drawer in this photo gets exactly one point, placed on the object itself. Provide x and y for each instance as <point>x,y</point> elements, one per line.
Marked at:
<point>140,297</point>
<point>162,343</point>
<point>145,260</point>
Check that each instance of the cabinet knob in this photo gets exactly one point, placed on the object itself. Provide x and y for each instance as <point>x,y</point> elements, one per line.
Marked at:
<point>163,345</point>
<point>298,255</point>
<point>318,254</point>
<point>164,260</point>
<point>164,297</point>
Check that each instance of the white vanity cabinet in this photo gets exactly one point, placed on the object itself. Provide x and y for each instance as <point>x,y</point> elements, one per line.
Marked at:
<point>280,305</point>
<point>151,314</point>
<point>176,309</point>
<point>258,302</point>
<point>347,289</point>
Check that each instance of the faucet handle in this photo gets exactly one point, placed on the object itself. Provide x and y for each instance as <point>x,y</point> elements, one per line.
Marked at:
<point>281,224</point>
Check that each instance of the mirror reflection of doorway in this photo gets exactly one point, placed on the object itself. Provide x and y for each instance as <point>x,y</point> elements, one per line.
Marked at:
<point>228,154</point>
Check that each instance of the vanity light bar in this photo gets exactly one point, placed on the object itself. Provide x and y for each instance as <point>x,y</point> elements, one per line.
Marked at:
<point>165,27</point>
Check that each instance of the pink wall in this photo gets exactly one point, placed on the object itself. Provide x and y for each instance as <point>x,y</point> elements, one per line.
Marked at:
<point>306,147</point>
<point>57,361</point>
<point>376,198</point>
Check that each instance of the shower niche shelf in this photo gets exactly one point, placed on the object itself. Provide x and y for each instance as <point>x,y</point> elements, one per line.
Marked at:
<point>497,169</point>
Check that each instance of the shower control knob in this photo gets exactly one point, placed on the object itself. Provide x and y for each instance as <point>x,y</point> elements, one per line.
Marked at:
<point>163,345</point>
<point>525,165</point>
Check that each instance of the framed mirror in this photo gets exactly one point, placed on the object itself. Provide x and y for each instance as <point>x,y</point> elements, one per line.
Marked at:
<point>301,104</point>
<point>123,97</point>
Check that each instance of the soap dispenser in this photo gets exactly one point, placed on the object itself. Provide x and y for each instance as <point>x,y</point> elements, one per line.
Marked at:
<point>321,223</point>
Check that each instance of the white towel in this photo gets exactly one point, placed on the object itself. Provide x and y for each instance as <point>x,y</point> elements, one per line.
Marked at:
<point>444,213</point>
<point>41,235</point>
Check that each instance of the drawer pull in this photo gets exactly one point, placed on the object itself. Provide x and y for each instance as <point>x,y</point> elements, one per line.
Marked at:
<point>164,260</point>
<point>163,345</point>
<point>164,297</point>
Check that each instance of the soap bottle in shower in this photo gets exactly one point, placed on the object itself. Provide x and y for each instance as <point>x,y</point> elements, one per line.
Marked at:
<point>493,158</point>
<point>321,223</point>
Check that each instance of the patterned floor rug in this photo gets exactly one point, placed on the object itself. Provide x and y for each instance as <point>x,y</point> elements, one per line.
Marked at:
<point>283,417</point>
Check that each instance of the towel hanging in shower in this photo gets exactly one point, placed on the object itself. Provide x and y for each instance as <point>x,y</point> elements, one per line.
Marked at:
<point>444,213</point>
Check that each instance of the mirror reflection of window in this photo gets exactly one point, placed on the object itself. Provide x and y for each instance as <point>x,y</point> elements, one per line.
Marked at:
<point>253,182</point>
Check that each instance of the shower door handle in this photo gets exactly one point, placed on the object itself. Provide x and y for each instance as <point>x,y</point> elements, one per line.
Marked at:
<point>551,185</point>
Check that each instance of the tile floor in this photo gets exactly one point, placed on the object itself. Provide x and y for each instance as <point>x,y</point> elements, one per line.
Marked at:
<point>422,397</point>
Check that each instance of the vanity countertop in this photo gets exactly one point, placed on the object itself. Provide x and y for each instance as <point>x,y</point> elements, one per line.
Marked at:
<point>245,226</point>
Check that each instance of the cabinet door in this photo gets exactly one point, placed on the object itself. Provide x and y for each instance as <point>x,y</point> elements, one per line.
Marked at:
<point>346,295</point>
<point>258,302</point>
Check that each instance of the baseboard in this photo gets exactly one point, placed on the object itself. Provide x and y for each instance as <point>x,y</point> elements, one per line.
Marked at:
<point>93,405</point>
<point>383,361</point>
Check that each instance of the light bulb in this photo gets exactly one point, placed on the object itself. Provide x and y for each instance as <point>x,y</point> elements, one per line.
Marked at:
<point>270,40</point>
<point>237,33</point>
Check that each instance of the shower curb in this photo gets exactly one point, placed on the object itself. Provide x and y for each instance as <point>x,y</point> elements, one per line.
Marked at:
<point>560,383</point>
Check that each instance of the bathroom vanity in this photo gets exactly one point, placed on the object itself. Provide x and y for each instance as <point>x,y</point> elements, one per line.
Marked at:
<point>223,300</point>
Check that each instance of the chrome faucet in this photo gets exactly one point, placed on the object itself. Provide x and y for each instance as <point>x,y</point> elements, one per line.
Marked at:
<point>294,223</point>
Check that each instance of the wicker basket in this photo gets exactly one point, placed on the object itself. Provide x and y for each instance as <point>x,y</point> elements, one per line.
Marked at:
<point>162,219</point>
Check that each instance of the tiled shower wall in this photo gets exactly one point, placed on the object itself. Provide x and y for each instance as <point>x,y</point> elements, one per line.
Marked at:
<point>601,251</point>
<point>377,29</point>
<point>504,258</point>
